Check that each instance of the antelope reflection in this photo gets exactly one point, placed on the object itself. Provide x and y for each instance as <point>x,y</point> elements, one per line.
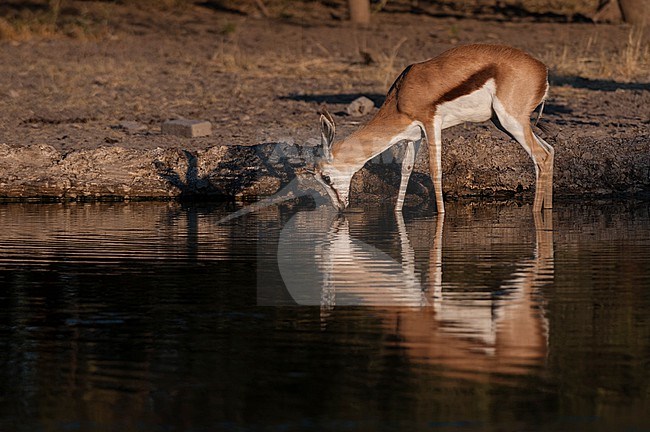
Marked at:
<point>447,322</point>
<point>322,264</point>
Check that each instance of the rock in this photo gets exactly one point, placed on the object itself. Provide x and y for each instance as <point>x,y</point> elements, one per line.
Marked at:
<point>360,107</point>
<point>187,128</point>
<point>132,126</point>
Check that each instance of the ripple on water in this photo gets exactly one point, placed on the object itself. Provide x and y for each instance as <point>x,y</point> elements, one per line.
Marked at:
<point>148,314</point>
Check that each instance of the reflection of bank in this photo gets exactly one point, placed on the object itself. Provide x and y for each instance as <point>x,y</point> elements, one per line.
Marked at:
<point>449,322</point>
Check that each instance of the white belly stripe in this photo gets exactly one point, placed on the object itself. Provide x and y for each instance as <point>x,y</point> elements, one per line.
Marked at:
<point>473,107</point>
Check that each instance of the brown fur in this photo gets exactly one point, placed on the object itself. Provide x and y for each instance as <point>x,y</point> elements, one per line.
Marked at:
<point>464,69</point>
<point>521,85</point>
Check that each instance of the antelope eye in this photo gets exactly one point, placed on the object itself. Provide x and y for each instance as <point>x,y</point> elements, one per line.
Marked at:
<point>327,179</point>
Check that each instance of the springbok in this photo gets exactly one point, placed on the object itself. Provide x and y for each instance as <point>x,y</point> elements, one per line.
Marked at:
<point>470,83</point>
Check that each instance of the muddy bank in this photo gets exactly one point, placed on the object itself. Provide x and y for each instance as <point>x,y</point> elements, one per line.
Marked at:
<point>263,81</point>
<point>475,164</point>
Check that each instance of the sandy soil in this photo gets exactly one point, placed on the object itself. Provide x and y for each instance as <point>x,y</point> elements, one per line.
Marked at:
<point>263,80</point>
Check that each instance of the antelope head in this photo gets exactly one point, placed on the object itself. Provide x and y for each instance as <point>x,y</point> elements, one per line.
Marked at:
<point>335,180</point>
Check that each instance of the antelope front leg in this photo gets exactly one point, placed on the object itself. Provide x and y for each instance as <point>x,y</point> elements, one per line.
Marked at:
<point>548,187</point>
<point>544,173</point>
<point>408,259</point>
<point>435,265</point>
<point>407,169</point>
<point>408,254</point>
<point>434,140</point>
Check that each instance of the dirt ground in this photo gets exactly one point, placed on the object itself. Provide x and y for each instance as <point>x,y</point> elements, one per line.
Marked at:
<point>263,80</point>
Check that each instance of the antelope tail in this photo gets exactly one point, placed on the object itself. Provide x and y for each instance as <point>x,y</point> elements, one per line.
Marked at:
<point>539,116</point>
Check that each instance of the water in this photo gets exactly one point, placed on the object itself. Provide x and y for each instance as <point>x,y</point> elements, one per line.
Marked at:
<point>153,317</point>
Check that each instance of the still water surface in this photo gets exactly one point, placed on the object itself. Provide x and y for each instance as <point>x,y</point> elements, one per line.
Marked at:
<point>155,317</point>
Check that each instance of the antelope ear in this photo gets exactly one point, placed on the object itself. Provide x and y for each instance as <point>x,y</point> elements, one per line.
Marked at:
<point>327,131</point>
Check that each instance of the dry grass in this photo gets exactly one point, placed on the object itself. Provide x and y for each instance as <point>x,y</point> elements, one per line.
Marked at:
<point>230,56</point>
<point>629,60</point>
<point>8,30</point>
<point>159,4</point>
<point>50,19</point>
<point>385,69</point>
<point>567,7</point>
<point>69,18</point>
<point>635,58</point>
<point>594,57</point>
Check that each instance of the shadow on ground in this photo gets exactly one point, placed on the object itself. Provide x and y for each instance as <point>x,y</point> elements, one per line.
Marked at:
<point>335,98</point>
<point>597,84</point>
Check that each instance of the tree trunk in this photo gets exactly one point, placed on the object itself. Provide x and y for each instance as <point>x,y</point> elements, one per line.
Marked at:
<point>360,11</point>
<point>636,11</point>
